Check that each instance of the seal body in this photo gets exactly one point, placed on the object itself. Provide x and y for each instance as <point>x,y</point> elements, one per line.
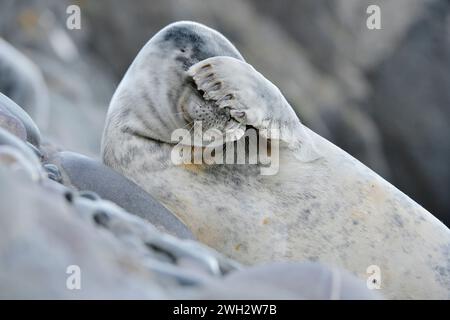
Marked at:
<point>322,204</point>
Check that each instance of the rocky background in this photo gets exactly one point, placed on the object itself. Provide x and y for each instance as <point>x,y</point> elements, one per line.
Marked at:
<point>381,95</point>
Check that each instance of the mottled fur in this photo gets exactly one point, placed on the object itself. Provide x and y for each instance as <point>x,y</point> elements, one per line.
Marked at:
<point>323,205</point>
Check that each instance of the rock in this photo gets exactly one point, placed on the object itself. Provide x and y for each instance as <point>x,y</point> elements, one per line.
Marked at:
<point>143,237</point>
<point>44,230</point>
<point>22,81</point>
<point>84,173</point>
<point>307,280</point>
<point>19,121</point>
<point>41,236</point>
<point>79,85</point>
<point>281,280</point>
<point>13,125</point>
<point>19,156</point>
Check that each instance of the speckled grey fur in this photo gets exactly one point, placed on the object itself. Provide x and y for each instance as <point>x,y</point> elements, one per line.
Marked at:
<point>323,205</point>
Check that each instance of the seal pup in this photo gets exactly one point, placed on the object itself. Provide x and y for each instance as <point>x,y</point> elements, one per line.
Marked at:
<point>323,205</point>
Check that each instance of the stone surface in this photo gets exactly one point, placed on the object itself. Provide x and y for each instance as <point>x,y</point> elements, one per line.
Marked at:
<point>17,155</point>
<point>22,81</point>
<point>12,124</point>
<point>41,237</point>
<point>306,280</point>
<point>83,173</point>
<point>43,231</point>
<point>19,121</point>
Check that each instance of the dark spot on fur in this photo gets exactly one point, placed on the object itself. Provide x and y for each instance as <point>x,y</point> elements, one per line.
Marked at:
<point>194,41</point>
<point>222,209</point>
<point>68,195</point>
<point>236,180</point>
<point>398,220</point>
<point>306,213</point>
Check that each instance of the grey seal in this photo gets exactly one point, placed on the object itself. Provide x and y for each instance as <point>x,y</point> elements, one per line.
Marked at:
<point>323,205</point>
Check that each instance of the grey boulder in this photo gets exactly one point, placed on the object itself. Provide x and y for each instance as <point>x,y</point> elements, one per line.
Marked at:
<point>19,156</point>
<point>308,280</point>
<point>84,173</point>
<point>14,119</point>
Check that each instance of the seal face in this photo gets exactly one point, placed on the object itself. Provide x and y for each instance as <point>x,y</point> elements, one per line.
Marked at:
<point>156,95</point>
<point>323,205</point>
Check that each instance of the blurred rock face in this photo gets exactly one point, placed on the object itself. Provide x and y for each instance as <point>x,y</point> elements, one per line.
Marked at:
<point>79,85</point>
<point>410,103</point>
<point>380,95</point>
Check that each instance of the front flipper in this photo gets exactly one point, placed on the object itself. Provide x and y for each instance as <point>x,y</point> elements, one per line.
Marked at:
<point>252,100</point>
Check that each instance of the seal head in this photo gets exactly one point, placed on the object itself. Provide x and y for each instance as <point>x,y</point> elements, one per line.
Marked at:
<point>157,96</point>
